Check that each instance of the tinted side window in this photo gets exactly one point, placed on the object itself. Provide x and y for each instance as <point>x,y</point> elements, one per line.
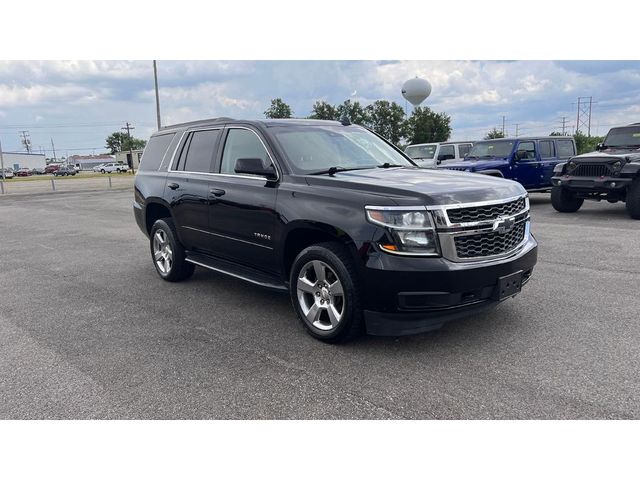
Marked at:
<point>168,156</point>
<point>447,152</point>
<point>527,151</point>
<point>565,148</point>
<point>546,149</point>
<point>464,149</point>
<point>242,144</point>
<point>199,157</point>
<point>155,152</point>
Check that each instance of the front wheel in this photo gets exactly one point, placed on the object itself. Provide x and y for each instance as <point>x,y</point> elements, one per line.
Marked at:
<point>565,201</point>
<point>103,171</point>
<point>167,252</point>
<point>325,292</point>
<point>633,199</point>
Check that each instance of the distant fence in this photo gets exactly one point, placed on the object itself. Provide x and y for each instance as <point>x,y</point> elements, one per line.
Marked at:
<point>52,184</point>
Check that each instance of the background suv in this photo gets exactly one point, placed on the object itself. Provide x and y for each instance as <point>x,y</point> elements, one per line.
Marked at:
<point>529,161</point>
<point>430,155</point>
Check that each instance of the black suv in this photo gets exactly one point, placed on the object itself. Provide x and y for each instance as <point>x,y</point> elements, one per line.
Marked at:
<point>612,173</point>
<point>362,238</point>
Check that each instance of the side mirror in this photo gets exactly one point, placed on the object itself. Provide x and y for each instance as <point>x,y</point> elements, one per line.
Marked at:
<point>254,166</point>
<point>599,147</point>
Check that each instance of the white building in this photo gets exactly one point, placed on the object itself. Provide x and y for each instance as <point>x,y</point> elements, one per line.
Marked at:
<point>23,160</point>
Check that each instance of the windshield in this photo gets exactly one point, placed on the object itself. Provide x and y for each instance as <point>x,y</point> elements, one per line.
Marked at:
<point>315,148</point>
<point>420,152</point>
<point>491,149</point>
<point>623,137</point>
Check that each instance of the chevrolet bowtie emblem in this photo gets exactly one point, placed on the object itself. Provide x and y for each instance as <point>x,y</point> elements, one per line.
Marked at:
<point>503,225</point>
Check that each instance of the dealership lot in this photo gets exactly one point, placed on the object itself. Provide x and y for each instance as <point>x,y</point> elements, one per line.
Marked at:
<point>88,330</point>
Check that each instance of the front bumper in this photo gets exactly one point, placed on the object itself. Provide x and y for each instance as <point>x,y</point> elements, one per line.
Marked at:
<point>412,295</point>
<point>598,184</point>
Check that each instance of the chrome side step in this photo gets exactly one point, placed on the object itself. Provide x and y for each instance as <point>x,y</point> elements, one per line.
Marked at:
<point>241,272</point>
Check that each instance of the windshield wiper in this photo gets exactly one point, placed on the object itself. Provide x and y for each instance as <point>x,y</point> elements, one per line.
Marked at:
<point>333,170</point>
<point>389,165</point>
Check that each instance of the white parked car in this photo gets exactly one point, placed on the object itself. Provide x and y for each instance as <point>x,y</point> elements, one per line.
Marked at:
<point>8,173</point>
<point>430,155</point>
<point>113,167</point>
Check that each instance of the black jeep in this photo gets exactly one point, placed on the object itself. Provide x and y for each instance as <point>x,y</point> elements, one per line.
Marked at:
<point>611,173</point>
<point>362,238</point>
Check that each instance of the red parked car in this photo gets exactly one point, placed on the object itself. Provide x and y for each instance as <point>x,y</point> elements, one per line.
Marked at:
<point>23,172</point>
<point>51,168</point>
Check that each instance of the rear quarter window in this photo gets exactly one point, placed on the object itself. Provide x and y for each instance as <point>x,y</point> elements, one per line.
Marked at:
<point>155,151</point>
<point>565,148</point>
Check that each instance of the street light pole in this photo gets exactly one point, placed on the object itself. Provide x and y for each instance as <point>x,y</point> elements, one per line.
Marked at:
<point>2,166</point>
<point>155,79</point>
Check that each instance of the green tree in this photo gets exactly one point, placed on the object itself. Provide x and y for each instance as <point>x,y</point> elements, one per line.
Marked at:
<point>278,109</point>
<point>354,111</point>
<point>386,119</point>
<point>494,133</point>
<point>324,111</point>
<point>426,126</point>
<point>120,142</point>
<point>585,143</point>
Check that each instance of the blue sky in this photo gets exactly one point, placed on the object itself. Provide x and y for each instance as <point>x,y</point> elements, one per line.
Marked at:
<point>78,103</point>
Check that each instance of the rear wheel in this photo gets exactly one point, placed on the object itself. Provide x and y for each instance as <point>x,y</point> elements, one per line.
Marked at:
<point>565,201</point>
<point>167,252</point>
<point>633,199</point>
<point>325,293</point>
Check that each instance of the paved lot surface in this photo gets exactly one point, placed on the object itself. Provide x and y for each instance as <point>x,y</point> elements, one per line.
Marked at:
<point>87,330</point>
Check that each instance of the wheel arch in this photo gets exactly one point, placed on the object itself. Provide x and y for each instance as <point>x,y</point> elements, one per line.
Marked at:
<point>491,173</point>
<point>155,209</point>
<point>302,234</point>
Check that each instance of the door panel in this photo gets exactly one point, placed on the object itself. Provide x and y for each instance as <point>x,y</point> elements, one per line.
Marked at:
<point>190,206</point>
<point>242,207</point>
<point>528,170</point>
<point>548,161</point>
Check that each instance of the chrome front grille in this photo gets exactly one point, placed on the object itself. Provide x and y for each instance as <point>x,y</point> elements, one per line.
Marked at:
<point>489,244</point>
<point>591,170</point>
<point>485,212</point>
<point>482,230</point>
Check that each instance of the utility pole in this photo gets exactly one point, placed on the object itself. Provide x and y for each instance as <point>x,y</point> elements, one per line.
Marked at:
<point>155,79</point>
<point>564,125</point>
<point>24,134</point>
<point>517,125</point>
<point>128,127</point>
<point>504,119</point>
<point>55,159</point>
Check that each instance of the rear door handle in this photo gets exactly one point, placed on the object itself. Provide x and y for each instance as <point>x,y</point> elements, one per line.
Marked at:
<point>217,192</point>
<point>173,186</point>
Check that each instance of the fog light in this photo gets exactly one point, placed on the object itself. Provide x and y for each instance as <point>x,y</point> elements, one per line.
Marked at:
<point>613,184</point>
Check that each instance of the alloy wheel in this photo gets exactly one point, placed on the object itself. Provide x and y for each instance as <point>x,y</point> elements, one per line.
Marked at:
<point>320,295</point>
<point>162,252</point>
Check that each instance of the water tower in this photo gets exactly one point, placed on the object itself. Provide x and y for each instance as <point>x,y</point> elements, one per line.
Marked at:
<point>416,90</point>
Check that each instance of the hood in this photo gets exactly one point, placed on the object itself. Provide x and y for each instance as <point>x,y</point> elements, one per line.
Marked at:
<point>475,165</point>
<point>411,186</point>
<point>632,155</point>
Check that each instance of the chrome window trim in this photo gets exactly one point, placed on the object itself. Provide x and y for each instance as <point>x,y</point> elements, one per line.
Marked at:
<point>273,162</point>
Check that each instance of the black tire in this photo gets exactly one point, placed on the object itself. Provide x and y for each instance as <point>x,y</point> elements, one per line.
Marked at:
<point>633,199</point>
<point>564,201</point>
<point>337,257</point>
<point>180,269</point>
<point>103,171</point>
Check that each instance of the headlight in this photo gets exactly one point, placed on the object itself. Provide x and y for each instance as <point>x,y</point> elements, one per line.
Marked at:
<point>411,231</point>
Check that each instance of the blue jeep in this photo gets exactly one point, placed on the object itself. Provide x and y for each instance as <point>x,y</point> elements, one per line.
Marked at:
<point>529,161</point>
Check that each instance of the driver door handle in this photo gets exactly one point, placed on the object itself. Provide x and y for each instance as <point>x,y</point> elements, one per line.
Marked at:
<point>173,186</point>
<point>217,192</point>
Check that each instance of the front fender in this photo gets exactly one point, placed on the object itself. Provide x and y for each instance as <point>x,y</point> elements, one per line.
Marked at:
<point>559,168</point>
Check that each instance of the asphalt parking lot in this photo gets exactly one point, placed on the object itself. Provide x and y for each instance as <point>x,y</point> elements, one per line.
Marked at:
<point>88,330</point>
